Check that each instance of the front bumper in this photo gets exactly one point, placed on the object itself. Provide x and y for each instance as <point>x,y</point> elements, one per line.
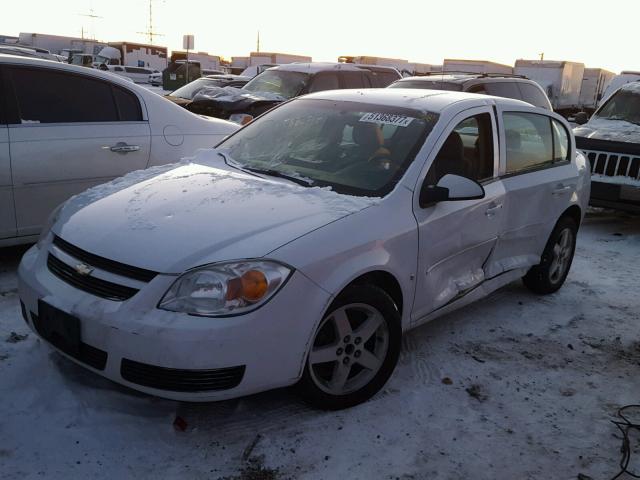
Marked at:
<point>170,354</point>
<point>617,196</point>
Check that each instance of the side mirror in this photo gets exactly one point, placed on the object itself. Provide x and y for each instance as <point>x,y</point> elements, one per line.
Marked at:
<point>450,188</point>
<point>581,118</point>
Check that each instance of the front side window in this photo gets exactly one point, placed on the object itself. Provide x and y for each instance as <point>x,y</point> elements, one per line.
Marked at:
<point>467,151</point>
<point>279,82</point>
<point>353,79</point>
<point>354,148</point>
<point>45,96</point>
<point>529,141</point>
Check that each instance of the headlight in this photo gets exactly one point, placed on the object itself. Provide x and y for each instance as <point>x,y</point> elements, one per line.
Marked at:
<point>241,118</point>
<point>223,289</point>
<point>46,228</point>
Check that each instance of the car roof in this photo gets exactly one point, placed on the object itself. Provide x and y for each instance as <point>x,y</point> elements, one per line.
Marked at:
<point>425,100</point>
<point>315,67</point>
<point>52,64</point>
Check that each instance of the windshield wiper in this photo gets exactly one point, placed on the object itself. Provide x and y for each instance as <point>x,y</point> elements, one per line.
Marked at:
<point>277,173</point>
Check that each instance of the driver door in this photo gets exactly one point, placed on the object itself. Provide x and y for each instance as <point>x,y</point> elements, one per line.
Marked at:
<point>457,238</point>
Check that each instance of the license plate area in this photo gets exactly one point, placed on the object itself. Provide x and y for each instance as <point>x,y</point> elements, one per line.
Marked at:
<point>59,328</point>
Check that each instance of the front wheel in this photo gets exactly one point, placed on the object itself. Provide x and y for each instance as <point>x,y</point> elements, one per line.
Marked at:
<point>550,274</point>
<point>354,349</point>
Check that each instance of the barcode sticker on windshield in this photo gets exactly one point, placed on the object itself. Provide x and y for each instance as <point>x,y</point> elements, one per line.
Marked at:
<point>387,119</point>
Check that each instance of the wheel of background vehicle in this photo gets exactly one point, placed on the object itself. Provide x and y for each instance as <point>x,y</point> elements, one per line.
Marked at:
<point>354,349</point>
<point>550,274</point>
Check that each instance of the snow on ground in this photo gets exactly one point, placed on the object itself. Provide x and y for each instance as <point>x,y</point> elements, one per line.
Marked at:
<point>516,386</point>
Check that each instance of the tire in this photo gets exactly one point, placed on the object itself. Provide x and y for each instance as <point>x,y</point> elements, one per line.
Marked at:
<point>343,368</point>
<point>549,275</point>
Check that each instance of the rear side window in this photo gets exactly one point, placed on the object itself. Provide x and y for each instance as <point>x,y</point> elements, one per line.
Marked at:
<point>560,142</point>
<point>46,96</point>
<point>529,141</point>
<point>324,81</point>
<point>383,79</point>
<point>503,89</point>
<point>533,95</point>
<point>353,79</point>
<point>128,105</point>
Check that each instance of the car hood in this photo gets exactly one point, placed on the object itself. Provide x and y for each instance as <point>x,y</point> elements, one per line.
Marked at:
<point>175,217</point>
<point>231,99</point>
<point>614,130</point>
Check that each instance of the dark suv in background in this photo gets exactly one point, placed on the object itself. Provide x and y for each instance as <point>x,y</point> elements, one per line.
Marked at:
<point>281,83</point>
<point>499,85</point>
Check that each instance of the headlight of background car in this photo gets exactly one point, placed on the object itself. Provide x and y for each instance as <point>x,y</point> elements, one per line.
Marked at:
<point>222,289</point>
<point>46,228</point>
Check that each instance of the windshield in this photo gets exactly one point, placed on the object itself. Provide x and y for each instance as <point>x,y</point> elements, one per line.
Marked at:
<point>623,105</point>
<point>283,83</point>
<point>190,90</point>
<point>354,148</point>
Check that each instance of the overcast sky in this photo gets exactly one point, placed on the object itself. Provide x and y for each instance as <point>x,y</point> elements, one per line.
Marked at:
<point>597,33</point>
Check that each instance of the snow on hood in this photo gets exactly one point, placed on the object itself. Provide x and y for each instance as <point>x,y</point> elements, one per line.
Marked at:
<point>175,217</point>
<point>233,94</point>
<point>604,129</point>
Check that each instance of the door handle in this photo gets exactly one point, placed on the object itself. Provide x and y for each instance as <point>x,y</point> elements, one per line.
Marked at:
<point>493,209</point>
<point>562,189</point>
<point>122,147</point>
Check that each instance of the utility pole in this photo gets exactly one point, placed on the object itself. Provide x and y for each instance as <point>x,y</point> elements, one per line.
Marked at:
<point>258,44</point>
<point>541,56</point>
<point>91,15</point>
<point>150,31</point>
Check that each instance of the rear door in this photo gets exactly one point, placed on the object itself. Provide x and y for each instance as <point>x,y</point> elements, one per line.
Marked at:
<point>7,210</point>
<point>539,180</point>
<point>69,132</point>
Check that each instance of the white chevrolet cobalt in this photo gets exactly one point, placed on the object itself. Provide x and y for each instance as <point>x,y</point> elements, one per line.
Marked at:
<point>299,250</point>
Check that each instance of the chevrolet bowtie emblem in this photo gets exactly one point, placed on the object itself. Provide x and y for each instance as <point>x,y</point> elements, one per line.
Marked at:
<point>83,269</point>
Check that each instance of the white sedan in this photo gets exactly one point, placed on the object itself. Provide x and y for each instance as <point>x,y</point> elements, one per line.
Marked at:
<point>299,250</point>
<point>65,128</point>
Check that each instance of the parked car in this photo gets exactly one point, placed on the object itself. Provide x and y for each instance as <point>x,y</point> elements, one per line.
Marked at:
<point>155,79</point>
<point>65,128</point>
<point>611,141</point>
<point>299,250</point>
<point>284,82</point>
<point>183,95</point>
<point>500,85</point>
<point>137,74</point>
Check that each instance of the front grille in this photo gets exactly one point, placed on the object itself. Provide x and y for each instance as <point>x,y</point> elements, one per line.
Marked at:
<point>92,356</point>
<point>614,164</point>
<point>93,285</point>
<point>178,380</point>
<point>104,263</point>
<point>611,158</point>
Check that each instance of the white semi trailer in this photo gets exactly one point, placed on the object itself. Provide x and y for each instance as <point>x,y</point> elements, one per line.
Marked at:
<point>133,55</point>
<point>561,80</point>
<point>594,83</point>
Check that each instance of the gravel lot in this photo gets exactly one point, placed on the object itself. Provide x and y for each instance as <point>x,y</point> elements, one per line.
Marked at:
<point>515,386</point>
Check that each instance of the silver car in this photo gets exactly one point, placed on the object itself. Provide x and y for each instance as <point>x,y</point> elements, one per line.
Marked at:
<point>299,250</point>
<point>65,128</point>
